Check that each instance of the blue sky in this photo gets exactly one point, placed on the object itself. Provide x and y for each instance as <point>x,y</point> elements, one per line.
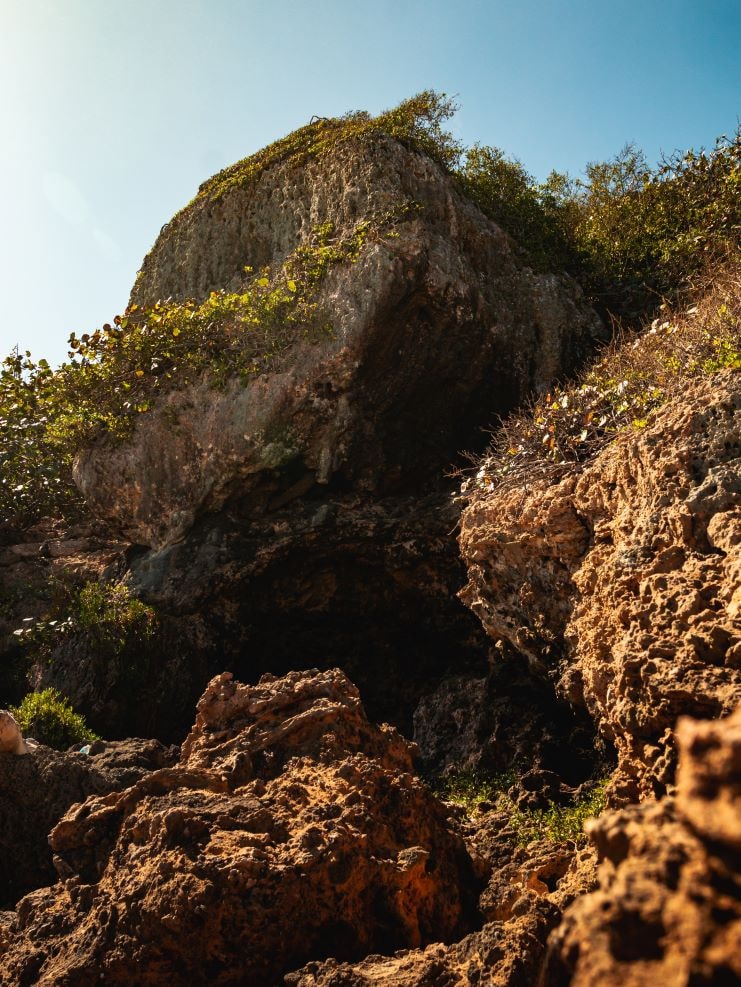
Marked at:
<point>113,111</point>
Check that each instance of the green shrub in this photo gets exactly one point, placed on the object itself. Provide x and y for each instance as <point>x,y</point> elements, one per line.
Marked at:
<point>49,718</point>
<point>510,196</point>
<point>630,234</point>
<point>35,467</point>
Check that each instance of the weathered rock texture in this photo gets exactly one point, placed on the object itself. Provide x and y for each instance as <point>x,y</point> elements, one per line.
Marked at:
<point>668,910</point>
<point>621,584</point>
<point>36,791</point>
<point>508,717</point>
<point>291,829</point>
<point>435,331</point>
<point>11,738</point>
<point>522,903</point>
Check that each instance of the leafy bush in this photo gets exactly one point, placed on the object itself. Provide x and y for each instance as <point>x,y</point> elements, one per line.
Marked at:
<point>529,212</point>
<point>631,235</point>
<point>49,718</point>
<point>655,230</point>
<point>115,622</point>
<point>35,467</point>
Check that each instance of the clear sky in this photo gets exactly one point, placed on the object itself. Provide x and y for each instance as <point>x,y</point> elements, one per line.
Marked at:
<point>112,112</point>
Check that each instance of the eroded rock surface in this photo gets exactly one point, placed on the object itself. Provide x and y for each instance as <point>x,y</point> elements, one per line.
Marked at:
<point>522,903</point>
<point>668,909</point>
<point>290,829</point>
<point>36,791</point>
<point>621,584</point>
<point>508,717</point>
<point>444,307</point>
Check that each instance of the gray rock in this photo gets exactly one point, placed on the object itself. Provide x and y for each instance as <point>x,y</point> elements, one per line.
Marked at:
<point>436,330</point>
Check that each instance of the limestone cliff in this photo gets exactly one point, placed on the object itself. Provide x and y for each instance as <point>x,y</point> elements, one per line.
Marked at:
<point>437,325</point>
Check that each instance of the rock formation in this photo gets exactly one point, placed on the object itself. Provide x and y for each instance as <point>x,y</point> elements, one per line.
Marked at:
<point>444,306</point>
<point>620,583</point>
<point>290,829</point>
<point>668,909</point>
<point>304,519</point>
<point>36,791</point>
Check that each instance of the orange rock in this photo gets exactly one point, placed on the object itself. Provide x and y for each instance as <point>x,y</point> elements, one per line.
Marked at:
<point>291,829</point>
<point>620,584</point>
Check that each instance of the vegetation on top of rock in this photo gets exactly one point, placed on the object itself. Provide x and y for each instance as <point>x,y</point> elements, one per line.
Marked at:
<point>49,718</point>
<point>417,122</point>
<point>118,372</point>
<point>630,234</point>
<point>633,377</point>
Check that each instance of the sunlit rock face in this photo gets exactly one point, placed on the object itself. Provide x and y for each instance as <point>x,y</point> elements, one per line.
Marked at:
<point>668,908</point>
<point>437,326</point>
<point>620,584</point>
<point>290,829</point>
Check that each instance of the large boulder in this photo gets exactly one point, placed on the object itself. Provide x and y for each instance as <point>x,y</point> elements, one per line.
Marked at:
<point>620,583</point>
<point>291,829</point>
<point>438,325</point>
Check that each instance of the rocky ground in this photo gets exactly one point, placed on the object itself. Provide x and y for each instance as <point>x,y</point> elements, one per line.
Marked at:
<point>312,573</point>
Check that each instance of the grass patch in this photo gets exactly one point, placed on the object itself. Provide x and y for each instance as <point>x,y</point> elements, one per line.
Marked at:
<point>557,824</point>
<point>469,789</point>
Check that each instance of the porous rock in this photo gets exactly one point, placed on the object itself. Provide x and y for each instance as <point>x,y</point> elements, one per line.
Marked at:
<point>36,791</point>
<point>668,908</point>
<point>290,829</point>
<point>620,583</point>
<point>508,719</point>
<point>445,306</point>
<point>523,901</point>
